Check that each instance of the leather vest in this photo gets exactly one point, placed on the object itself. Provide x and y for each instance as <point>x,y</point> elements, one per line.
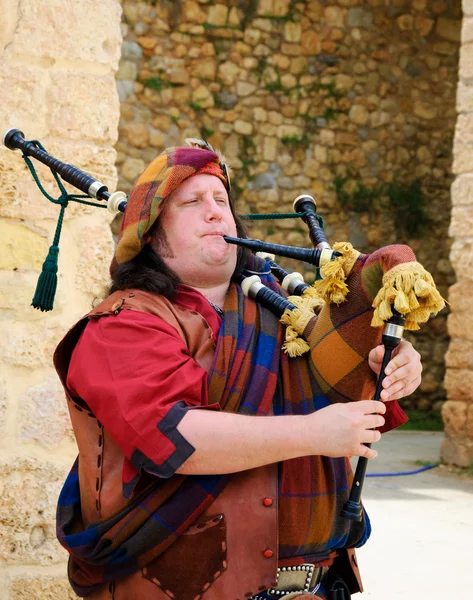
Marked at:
<point>230,552</point>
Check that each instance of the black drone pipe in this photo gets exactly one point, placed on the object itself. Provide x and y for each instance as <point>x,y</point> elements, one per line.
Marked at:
<point>392,336</point>
<point>317,256</point>
<point>14,139</point>
<point>306,204</point>
<point>293,283</point>
<point>254,288</point>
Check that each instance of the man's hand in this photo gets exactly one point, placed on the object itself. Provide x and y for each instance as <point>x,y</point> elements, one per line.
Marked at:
<point>343,429</point>
<point>403,372</point>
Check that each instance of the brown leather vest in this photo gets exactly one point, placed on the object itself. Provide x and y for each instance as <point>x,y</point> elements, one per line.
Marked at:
<point>230,552</point>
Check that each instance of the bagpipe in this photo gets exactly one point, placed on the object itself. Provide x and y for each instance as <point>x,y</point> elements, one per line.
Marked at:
<point>360,300</point>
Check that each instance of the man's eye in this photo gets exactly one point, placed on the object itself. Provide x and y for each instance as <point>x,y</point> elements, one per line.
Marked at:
<point>221,200</point>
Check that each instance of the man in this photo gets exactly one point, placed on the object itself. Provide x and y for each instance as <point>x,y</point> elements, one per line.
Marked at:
<point>210,464</point>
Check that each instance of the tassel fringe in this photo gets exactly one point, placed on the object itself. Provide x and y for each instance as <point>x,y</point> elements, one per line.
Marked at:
<point>47,283</point>
<point>297,320</point>
<point>332,286</point>
<point>411,290</point>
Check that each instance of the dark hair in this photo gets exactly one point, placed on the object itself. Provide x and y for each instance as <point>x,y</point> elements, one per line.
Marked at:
<point>148,272</point>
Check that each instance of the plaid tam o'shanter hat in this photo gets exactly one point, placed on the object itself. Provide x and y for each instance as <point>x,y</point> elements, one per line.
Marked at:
<point>164,175</point>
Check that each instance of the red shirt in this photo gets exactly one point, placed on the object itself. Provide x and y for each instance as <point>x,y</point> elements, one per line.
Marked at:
<point>134,372</point>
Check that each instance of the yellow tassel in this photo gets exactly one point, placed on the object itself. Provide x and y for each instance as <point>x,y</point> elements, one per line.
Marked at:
<point>411,289</point>
<point>422,288</point>
<point>332,288</point>
<point>296,321</point>
<point>296,347</point>
<point>385,312</point>
<point>401,303</point>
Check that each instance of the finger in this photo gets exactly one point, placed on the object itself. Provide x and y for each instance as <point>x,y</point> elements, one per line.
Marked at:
<point>405,391</point>
<point>373,421</point>
<point>405,355</point>
<point>373,406</point>
<point>408,371</point>
<point>375,359</point>
<point>376,354</point>
<point>367,452</point>
<point>371,436</point>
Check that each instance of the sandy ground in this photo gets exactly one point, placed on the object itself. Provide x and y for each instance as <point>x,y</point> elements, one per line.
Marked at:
<point>422,540</point>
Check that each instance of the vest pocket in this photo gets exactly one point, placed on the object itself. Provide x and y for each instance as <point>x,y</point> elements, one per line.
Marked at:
<point>187,569</point>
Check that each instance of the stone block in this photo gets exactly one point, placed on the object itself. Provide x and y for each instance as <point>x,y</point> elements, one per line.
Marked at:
<point>464,129</point>
<point>270,148</point>
<point>462,157</point>
<point>244,89</point>
<point>456,451</point>
<point>466,61</point>
<point>449,29</point>
<point>23,247</point>
<point>459,385</point>
<point>50,31</point>
<point>205,69</point>
<point>203,97</point>
<point>454,417</point>
<point>359,17</point>
<point>30,344</point>
<point>83,106</point>
<point>217,15</point>
<point>311,44</point>
<point>314,10</point>
<point>460,325</point>
<point>3,405</point>
<point>43,415</point>
<point>461,224</point>
<point>335,16</point>
<point>460,295</point>
<point>469,423</point>
<point>95,254</point>
<point>464,97</point>
<point>137,135</point>
<point>462,191</point>
<point>228,72</point>
<point>423,25</point>
<point>292,32</point>
<point>467,30</point>
<point>460,354</point>
<point>22,99</point>
<point>243,127</point>
<point>288,81</point>
<point>16,292</point>
<point>29,490</point>
<point>467,7</point>
<point>40,587</point>
<point>425,110</point>
<point>461,257</point>
<point>359,114</point>
<point>127,71</point>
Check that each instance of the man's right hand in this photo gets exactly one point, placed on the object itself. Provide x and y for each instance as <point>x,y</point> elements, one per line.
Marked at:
<point>343,429</point>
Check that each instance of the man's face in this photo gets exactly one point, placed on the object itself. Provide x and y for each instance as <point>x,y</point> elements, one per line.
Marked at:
<point>193,220</point>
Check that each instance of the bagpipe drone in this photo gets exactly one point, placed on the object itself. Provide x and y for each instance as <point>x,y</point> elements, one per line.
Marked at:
<point>360,301</point>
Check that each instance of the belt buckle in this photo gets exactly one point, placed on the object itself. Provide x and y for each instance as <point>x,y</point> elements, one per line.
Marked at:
<point>292,579</point>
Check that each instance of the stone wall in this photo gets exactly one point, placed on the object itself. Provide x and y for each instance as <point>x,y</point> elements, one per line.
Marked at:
<point>344,100</point>
<point>57,67</point>
<point>458,410</point>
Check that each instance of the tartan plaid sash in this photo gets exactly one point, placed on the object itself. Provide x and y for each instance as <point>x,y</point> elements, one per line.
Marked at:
<point>250,375</point>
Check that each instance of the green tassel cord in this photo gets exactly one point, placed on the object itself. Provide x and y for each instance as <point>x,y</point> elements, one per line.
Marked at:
<point>45,293</point>
<point>47,283</point>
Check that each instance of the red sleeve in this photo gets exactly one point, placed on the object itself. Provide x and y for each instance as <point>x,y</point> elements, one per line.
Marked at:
<point>133,371</point>
<point>394,416</point>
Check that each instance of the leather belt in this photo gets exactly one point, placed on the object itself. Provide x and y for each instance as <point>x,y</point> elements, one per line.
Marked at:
<point>299,579</point>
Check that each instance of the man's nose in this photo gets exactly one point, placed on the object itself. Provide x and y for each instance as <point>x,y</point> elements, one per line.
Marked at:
<point>214,210</point>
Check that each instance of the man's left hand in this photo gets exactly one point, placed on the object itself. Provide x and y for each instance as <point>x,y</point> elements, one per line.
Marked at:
<point>403,372</point>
